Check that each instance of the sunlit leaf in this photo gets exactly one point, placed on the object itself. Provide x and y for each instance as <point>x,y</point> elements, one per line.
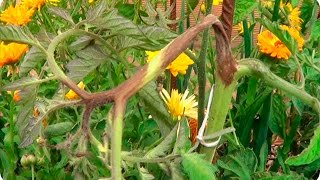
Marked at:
<point>197,168</point>
<point>310,154</point>
<point>145,174</point>
<point>244,9</point>
<point>315,32</point>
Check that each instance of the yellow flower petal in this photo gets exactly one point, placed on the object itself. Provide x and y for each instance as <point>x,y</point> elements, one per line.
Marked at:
<point>11,53</point>
<point>216,2</point>
<point>71,95</point>
<point>178,66</point>
<point>180,104</point>
<point>268,43</point>
<point>18,15</point>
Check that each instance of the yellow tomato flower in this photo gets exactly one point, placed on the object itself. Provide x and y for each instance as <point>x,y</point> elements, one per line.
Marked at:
<point>11,53</point>
<point>295,34</point>
<point>18,15</point>
<point>71,95</point>
<point>37,4</point>
<point>179,65</point>
<point>180,105</point>
<point>270,44</point>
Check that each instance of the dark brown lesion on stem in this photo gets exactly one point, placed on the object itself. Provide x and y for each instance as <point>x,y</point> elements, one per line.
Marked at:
<point>226,64</point>
<point>228,7</point>
<point>85,126</point>
<point>120,94</point>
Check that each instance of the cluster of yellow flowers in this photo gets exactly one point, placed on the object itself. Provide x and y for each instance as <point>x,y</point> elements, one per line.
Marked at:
<point>270,44</point>
<point>18,15</point>
<point>22,13</point>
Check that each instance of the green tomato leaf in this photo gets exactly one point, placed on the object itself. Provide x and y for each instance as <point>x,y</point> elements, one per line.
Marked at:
<point>240,164</point>
<point>155,106</point>
<point>89,58</point>
<point>315,32</point>
<point>277,176</point>
<point>243,9</point>
<point>197,168</point>
<point>121,26</point>
<point>33,57</point>
<point>183,143</point>
<point>96,11</point>
<point>278,116</point>
<point>165,146</point>
<point>17,33</point>
<point>21,83</point>
<point>58,129</point>
<point>308,155</point>
<point>63,13</point>
<point>25,120</point>
<point>145,174</point>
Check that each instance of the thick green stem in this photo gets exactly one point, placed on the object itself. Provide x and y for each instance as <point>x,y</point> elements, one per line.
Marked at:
<point>257,68</point>
<point>116,139</point>
<point>223,95</point>
<point>218,112</point>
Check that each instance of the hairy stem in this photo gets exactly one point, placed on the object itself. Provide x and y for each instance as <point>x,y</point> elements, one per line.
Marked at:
<point>256,68</point>
<point>218,112</point>
<point>223,95</point>
<point>201,64</point>
<point>54,67</point>
<point>116,139</point>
